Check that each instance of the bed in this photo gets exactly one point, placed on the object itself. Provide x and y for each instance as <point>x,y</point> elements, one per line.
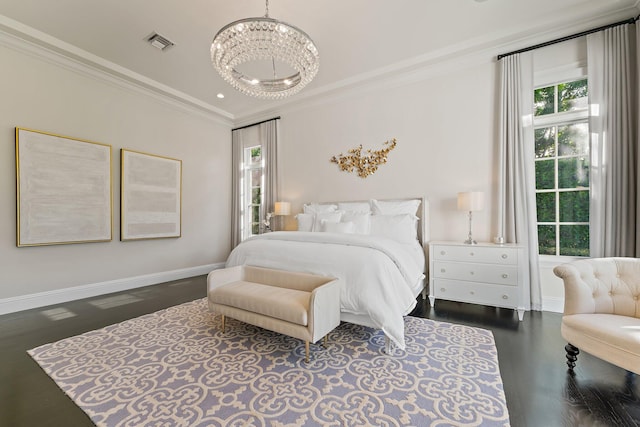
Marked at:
<point>382,265</point>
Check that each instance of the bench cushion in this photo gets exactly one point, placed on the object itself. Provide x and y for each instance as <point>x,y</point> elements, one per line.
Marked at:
<point>290,305</point>
<point>609,336</point>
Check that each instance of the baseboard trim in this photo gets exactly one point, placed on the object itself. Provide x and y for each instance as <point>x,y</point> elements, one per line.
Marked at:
<point>555,305</point>
<point>42,299</point>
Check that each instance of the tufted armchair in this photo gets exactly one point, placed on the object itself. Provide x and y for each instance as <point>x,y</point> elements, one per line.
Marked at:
<point>602,310</point>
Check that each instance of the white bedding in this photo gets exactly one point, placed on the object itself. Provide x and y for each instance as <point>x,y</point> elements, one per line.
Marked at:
<point>380,274</point>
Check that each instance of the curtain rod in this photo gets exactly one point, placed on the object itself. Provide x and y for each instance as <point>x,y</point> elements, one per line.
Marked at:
<point>574,36</point>
<point>255,124</point>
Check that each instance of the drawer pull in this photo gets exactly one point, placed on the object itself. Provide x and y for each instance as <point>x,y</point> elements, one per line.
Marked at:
<point>471,253</point>
<point>472,273</point>
<point>504,276</point>
<point>442,289</point>
<point>472,293</point>
<point>443,252</point>
<point>504,256</point>
<point>505,297</point>
<point>443,270</point>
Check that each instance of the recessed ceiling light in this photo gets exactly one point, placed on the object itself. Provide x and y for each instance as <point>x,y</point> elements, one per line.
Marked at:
<point>220,95</point>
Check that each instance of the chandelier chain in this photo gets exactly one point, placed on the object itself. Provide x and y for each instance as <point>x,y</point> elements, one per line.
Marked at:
<point>266,9</point>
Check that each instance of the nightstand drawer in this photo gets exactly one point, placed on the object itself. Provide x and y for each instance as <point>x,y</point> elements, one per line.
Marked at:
<point>483,273</point>
<point>476,293</point>
<point>493,255</point>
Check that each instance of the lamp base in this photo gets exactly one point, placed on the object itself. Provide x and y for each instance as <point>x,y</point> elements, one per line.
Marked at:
<point>470,242</point>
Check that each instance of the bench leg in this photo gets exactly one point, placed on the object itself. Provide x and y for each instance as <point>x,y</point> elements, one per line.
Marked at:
<point>326,339</point>
<point>306,349</point>
<point>223,323</point>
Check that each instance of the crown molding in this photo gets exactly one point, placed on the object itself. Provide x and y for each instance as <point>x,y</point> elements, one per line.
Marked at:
<point>474,52</point>
<point>29,41</point>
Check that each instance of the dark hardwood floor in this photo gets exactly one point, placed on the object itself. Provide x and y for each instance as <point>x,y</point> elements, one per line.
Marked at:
<point>538,389</point>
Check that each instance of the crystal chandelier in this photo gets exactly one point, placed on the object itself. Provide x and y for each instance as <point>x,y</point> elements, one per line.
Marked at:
<point>285,55</point>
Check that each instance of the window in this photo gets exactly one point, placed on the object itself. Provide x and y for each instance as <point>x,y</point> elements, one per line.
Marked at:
<point>562,168</point>
<point>254,181</point>
<point>252,190</point>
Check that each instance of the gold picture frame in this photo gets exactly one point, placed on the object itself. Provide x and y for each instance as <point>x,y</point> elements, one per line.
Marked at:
<point>64,191</point>
<point>150,196</point>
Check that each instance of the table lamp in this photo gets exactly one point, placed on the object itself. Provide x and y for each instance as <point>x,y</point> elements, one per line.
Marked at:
<point>470,201</point>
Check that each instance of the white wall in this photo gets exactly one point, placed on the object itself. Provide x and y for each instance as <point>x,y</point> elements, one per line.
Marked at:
<point>49,96</point>
<point>446,138</point>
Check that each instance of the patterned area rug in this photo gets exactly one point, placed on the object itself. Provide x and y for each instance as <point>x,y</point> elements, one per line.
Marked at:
<point>176,368</point>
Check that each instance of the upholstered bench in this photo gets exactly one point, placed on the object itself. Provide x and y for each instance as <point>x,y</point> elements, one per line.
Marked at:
<point>300,305</point>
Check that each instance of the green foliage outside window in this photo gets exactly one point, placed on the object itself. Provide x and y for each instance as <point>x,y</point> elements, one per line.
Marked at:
<point>574,206</point>
<point>562,170</point>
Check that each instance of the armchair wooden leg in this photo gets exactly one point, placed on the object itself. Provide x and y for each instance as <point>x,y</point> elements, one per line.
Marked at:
<point>306,349</point>
<point>223,323</point>
<point>572,355</point>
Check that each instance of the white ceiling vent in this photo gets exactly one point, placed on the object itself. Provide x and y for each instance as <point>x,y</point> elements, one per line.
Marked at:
<point>159,42</point>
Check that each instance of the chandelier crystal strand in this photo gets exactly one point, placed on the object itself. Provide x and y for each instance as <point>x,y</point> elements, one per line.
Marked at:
<point>264,39</point>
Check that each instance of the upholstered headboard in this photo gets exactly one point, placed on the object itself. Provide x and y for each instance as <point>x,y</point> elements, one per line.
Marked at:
<point>422,214</point>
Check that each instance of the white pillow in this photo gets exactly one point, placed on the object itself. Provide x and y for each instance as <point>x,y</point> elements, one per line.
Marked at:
<point>326,216</point>
<point>354,206</point>
<point>395,207</point>
<point>337,227</point>
<point>314,208</point>
<point>401,228</point>
<point>305,221</point>
<point>361,221</point>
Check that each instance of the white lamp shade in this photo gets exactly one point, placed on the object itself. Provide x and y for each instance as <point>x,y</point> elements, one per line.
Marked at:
<point>471,201</point>
<point>282,208</point>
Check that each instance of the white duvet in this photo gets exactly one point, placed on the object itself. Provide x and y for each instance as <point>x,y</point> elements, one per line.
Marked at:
<point>380,275</point>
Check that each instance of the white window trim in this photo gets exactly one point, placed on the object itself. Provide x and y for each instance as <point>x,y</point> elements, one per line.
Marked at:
<point>572,72</point>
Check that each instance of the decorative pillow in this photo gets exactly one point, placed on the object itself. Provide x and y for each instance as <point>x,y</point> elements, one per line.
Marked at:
<point>305,221</point>
<point>354,207</point>
<point>314,208</point>
<point>401,228</point>
<point>395,207</point>
<point>361,221</point>
<point>326,216</point>
<point>337,227</point>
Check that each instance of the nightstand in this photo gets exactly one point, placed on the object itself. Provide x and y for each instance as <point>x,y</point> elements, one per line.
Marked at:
<point>485,273</point>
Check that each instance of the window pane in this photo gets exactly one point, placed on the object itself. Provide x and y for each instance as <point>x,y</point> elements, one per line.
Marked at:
<point>545,175</point>
<point>574,206</point>
<point>546,207</point>
<point>573,139</point>
<point>256,154</point>
<point>547,239</point>
<point>255,229</point>
<point>573,172</point>
<point>255,196</point>
<point>572,96</point>
<point>574,240</point>
<point>256,177</point>
<point>255,214</point>
<point>545,142</point>
<point>544,100</point>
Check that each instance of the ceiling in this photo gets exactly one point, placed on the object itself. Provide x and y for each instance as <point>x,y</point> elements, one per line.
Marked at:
<point>358,40</point>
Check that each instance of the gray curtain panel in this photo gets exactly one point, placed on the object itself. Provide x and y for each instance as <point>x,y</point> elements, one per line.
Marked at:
<point>613,128</point>
<point>269,141</point>
<point>517,202</point>
<point>236,178</point>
